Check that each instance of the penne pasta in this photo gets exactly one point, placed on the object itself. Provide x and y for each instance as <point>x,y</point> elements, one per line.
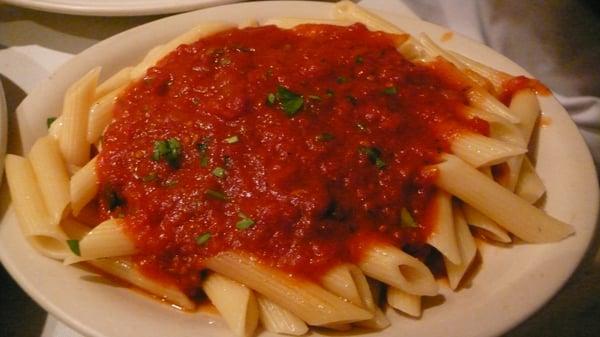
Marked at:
<point>290,22</point>
<point>190,36</point>
<point>467,247</point>
<point>278,320</point>
<point>443,236</point>
<point>491,199</point>
<point>83,187</point>
<point>496,78</point>
<point>491,229</point>
<point>73,134</point>
<point>124,269</point>
<point>394,267</point>
<point>118,80</point>
<point>346,10</point>
<point>52,177</point>
<point>530,186</point>
<point>407,303</point>
<point>479,150</point>
<point>105,240</point>
<point>241,314</point>
<point>311,303</point>
<point>483,100</point>
<point>36,224</point>
<point>101,113</point>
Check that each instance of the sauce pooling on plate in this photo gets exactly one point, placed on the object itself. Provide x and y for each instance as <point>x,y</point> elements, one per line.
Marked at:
<point>299,146</point>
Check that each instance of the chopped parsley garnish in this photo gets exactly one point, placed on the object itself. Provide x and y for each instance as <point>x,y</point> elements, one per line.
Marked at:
<point>203,238</point>
<point>232,140</point>
<point>216,195</point>
<point>325,137</point>
<point>341,79</point>
<point>374,155</point>
<point>359,60</point>
<point>202,148</point>
<point>329,92</point>
<point>74,246</point>
<point>390,90</point>
<point>218,172</point>
<point>49,121</point>
<point>407,219</point>
<point>289,101</point>
<point>170,183</point>
<point>271,98</point>
<point>353,100</point>
<point>150,177</point>
<point>315,97</point>
<point>169,150</point>
<point>245,222</point>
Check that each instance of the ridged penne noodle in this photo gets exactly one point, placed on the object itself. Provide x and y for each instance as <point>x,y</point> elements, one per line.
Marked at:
<point>483,100</point>
<point>490,228</point>
<point>496,77</point>
<point>118,80</point>
<point>235,302</point>
<point>290,22</point>
<point>84,186</point>
<point>396,268</point>
<point>434,50</point>
<point>278,320</point>
<point>348,281</point>
<point>36,224</point>
<point>479,150</point>
<point>525,106</point>
<point>442,236</point>
<point>108,239</point>
<point>52,177</point>
<point>196,33</point>
<point>379,320</point>
<point>407,303</point>
<point>73,134</point>
<point>530,186</point>
<point>310,302</point>
<point>467,247</point>
<point>101,113</point>
<point>532,224</point>
<point>346,10</point>
<point>124,269</point>
<point>54,129</point>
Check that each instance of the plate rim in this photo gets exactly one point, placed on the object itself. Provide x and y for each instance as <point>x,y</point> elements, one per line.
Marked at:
<point>79,326</point>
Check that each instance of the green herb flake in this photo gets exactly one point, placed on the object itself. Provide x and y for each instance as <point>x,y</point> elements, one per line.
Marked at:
<point>150,177</point>
<point>271,99</point>
<point>359,60</point>
<point>218,172</point>
<point>406,219</point>
<point>203,161</point>
<point>329,92</point>
<point>216,195</point>
<point>170,183</point>
<point>232,140</point>
<point>315,97</point>
<point>353,100</point>
<point>245,222</point>
<point>374,155</point>
<point>289,101</point>
<point>325,137</point>
<point>203,238</point>
<point>341,79</point>
<point>49,121</point>
<point>74,246</point>
<point>202,148</point>
<point>169,150</point>
<point>390,90</point>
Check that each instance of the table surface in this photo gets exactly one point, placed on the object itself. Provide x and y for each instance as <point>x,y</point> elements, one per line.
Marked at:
<point>33,44</point>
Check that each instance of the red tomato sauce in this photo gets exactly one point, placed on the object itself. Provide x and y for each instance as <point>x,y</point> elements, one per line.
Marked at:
<point>314,186</point>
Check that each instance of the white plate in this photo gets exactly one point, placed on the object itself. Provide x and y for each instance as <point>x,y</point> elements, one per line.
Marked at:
<point>3,129</point>
<point>511,284</point>
<point>117,7</point>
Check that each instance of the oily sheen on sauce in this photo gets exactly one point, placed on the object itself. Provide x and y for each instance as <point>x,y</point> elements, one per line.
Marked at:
<point>313,139</point>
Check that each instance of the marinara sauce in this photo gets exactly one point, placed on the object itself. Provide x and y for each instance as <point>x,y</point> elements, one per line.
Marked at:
<point>301,147</point>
